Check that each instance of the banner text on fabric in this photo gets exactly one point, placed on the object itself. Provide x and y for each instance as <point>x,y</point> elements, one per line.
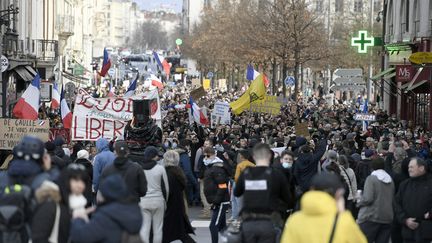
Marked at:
<point>270,105</point>
<point>13,130</point>
<point>95,118</point>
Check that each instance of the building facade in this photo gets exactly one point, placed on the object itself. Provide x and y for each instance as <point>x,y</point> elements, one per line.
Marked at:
<point>407,87</point>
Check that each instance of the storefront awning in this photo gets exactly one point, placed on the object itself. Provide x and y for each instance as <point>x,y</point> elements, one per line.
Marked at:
<point>417,85</point>
<point>385,72</point>
<point>75,79</point>
<point>27,73</point>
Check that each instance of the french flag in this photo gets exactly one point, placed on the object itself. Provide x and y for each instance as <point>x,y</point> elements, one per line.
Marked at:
<point>197,114</point>
<point>252,74</point>
<point>65,112</point>
<point>27,106</point>
<point>132,87</point>
<point>155,81</point>
<point>162,63</point>
<point>106,65</point>
<point>111,90</point>
<point>55,102</point>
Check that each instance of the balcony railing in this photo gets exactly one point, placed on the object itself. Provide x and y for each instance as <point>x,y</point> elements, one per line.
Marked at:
<point>45,50</point>
<point>65,24</point>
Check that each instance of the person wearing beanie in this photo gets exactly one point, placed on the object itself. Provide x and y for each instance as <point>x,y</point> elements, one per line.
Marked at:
<point>153,204</point>
<point>322,217</point>
<point>57,162</point>
<point>363,170</point>
<point>103,159</point>
<point>112,218</point>
<point>131,172</point>
<point>83,159</point>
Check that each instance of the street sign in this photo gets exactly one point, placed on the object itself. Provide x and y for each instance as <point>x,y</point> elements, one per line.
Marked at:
<point>419,58</point>
<point>364,117</point>
<point>4,63</point>
<point>349,80</point>
<point>210,75</point>
<point>111,72</point>
<point>355,72</point>
<point>362,41</point>
<point>290,81</point>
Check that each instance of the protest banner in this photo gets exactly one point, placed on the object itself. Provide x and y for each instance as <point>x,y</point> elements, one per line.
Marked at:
<point>94,118</point>
<point>60,132</point>
<point>270,105</point>
<point>364,117</point>
<point>198,93</point>
<point>221,114</point>
<point>13,130</point>
<point>302,130</point>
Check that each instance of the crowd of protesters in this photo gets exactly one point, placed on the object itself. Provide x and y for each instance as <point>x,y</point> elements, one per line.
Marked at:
<point>377,184</point>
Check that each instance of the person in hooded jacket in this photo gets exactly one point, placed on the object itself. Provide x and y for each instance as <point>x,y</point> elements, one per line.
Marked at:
<point>153,204</point>
<point>131,172</point>
<point>376,204</point>
<point>59,151</point>
<point>176,224</point>
<point>322,212</point>
<point>216,181</point>
<point>51,218</point>
<point>306,165</point>
<point>185,163</point>
<point>56,161</point>
<point>113,216</point>
<point>104,158</point>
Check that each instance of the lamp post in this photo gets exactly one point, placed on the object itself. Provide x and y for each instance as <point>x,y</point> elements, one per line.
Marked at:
<point>6,21</point>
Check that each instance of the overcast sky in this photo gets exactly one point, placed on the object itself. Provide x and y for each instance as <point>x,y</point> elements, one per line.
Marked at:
<point>152,4</point>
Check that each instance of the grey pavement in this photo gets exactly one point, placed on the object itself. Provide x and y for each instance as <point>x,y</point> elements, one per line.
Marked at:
<point>202,232</point>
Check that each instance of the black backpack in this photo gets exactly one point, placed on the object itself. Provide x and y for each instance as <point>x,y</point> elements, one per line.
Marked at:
<point>14,213</point>
<point>216,185</point>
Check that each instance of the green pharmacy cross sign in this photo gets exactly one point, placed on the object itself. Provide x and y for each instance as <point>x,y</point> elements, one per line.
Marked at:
<point>362,41</point>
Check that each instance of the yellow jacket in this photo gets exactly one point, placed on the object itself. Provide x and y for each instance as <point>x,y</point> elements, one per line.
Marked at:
<point>313,224</point>
<point>241,167</point>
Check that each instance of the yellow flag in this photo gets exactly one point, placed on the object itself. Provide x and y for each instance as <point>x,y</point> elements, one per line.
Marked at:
<point>256,91</point>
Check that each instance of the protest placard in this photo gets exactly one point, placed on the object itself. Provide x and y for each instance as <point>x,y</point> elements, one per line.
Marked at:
<point>302,130</point>
<point>270,105</point>
<point>94,118</point>
<point>221,114</point>
<point>206,84</point>
<point>198,93</point>
<point>13,130</point>
<point>223,85</point>
<point>196,82</point>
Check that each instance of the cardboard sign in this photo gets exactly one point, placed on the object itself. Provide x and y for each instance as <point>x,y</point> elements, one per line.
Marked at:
<point>198,93</point>
<point>223,85</point>
<point>302,130</point>
<point>196,82</point>
<point>13,130</point>
<point>364,117</point>
<point>270,105</point>
<point>106,117</point>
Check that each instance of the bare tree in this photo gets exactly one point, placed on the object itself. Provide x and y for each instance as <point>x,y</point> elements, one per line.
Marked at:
<point>149,36</point>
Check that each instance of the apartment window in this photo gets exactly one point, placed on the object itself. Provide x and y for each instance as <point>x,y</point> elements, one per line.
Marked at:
<point>319,5</point>
<point>358,6</point>
<point>339,5</point>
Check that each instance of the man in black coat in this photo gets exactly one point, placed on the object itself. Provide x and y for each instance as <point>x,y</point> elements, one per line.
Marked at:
<point>131,172</point>
<point>306,165</point>
<point>413,202</point>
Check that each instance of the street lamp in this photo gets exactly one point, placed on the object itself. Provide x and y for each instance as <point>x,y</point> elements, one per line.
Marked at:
<point>5,20</point>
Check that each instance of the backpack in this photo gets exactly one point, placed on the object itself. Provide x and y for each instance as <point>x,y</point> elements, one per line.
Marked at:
<point>130,238</point>
<point>14,213</point>
<point>216,185</point>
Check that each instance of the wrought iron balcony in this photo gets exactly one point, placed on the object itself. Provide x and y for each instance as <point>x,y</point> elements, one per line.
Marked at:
<point>45,50</point>
<point>65,24</point>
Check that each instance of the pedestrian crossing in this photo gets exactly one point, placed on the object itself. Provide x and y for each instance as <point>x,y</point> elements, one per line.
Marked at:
<point>200,223</point>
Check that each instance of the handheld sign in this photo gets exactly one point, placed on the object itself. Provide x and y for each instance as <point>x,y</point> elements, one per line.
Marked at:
<point>364,117</point>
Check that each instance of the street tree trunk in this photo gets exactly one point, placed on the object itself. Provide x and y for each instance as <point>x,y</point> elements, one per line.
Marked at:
<point>274,67</point>
<point>296,73</point>
<point>284,75</point>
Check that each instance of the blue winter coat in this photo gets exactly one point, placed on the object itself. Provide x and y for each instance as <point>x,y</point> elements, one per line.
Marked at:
<point>108,224</point>
<point>104,158</point>
<point>185,164</point>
